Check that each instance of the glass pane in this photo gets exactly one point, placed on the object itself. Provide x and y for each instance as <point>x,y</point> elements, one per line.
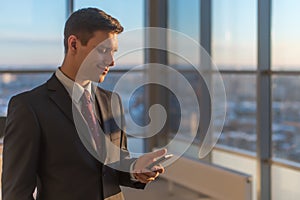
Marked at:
<point>180,12</point>
<point>285,183</point>
<point>240,123</point>
<point>130,14</point>
<point>31,33</point>
<point>184,21</point>
<point>12,84</point>
<point>286,115</point>
<point>285,35</point>
<point>234,34</point>
<point>184,114</point>
<point>136,108</point>
<point>183,35</point>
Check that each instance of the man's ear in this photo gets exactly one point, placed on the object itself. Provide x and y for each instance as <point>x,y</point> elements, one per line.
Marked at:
<point>72,43</point>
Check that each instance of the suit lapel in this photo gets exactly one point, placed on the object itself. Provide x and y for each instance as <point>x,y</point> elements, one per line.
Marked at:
<point>62,99</point>
<point>103,100</point>
<point>60,96</point>
<point>111,152</point>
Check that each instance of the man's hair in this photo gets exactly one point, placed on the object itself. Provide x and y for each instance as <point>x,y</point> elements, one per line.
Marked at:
<point>84,22</point>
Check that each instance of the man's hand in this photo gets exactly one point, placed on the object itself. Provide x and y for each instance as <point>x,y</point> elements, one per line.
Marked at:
<point>144,175</point>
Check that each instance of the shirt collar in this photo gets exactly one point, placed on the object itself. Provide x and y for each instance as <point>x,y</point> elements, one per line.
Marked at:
<point>74,89</point>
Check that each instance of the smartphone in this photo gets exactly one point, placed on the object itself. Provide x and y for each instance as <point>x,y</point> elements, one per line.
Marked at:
<point>160,160</point>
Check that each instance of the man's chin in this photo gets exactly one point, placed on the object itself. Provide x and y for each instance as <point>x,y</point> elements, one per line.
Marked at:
<point>88,77</point>
<point>101,78</point>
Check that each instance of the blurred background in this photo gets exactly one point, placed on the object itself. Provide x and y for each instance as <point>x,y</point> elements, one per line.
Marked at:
<point>254,43</point>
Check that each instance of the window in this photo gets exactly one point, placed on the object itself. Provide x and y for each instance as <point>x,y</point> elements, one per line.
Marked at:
<point>31,33</point>
<point>184,22</point>
<point>31,39</point>
<point>286,63</point>
<point>239,130</point>
<point>285,35</point>
<point>234,42</point>
<point>234,50</point>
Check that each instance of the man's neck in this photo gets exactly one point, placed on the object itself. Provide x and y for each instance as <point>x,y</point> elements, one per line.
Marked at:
<point>68,71</point>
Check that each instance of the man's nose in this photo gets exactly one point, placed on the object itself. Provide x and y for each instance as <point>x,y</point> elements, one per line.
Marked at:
<point>110,62</point>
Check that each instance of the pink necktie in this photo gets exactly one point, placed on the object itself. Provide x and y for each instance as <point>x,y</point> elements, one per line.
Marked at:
<point>89,116</point>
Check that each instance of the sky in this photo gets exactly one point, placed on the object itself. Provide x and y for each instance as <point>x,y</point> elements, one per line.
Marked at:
<point>235,33</point>
<point>31,31</point>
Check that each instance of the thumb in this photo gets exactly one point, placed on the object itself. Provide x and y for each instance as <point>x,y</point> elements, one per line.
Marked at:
<point>157,153</point>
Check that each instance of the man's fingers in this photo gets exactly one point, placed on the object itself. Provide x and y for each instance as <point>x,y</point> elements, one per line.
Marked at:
<point>143,178</point>
<point>139,171</point>
<point>158,168</point>
<point>156,154</point>
<point>146,177</point>
<point>146,172</point>
<point>156,175</point>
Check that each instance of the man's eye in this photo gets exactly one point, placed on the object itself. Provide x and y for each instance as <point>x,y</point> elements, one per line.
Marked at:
<point>102,50</point>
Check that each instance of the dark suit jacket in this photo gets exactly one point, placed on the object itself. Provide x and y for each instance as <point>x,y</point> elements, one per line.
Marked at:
<point>42,149</point>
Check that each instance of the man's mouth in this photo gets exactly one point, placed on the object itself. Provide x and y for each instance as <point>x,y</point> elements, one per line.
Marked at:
<point>104,70</point>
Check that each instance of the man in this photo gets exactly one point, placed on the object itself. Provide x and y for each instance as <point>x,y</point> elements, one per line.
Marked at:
<point>43,147</point>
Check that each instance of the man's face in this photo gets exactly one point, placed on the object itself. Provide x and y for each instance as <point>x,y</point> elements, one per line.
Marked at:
<point>97,56</point>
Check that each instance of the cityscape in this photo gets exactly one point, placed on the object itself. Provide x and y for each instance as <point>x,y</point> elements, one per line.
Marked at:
<point>240,122</point>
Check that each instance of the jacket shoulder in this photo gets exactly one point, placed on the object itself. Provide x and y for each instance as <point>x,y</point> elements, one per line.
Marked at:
<point>34,93</point>
<point>108,93</point>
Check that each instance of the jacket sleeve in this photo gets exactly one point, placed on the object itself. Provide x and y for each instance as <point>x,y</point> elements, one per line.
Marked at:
<point>20,152</point>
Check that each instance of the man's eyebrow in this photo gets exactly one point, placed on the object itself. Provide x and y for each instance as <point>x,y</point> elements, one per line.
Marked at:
<point>108,47</point>
<point>111,48</point>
